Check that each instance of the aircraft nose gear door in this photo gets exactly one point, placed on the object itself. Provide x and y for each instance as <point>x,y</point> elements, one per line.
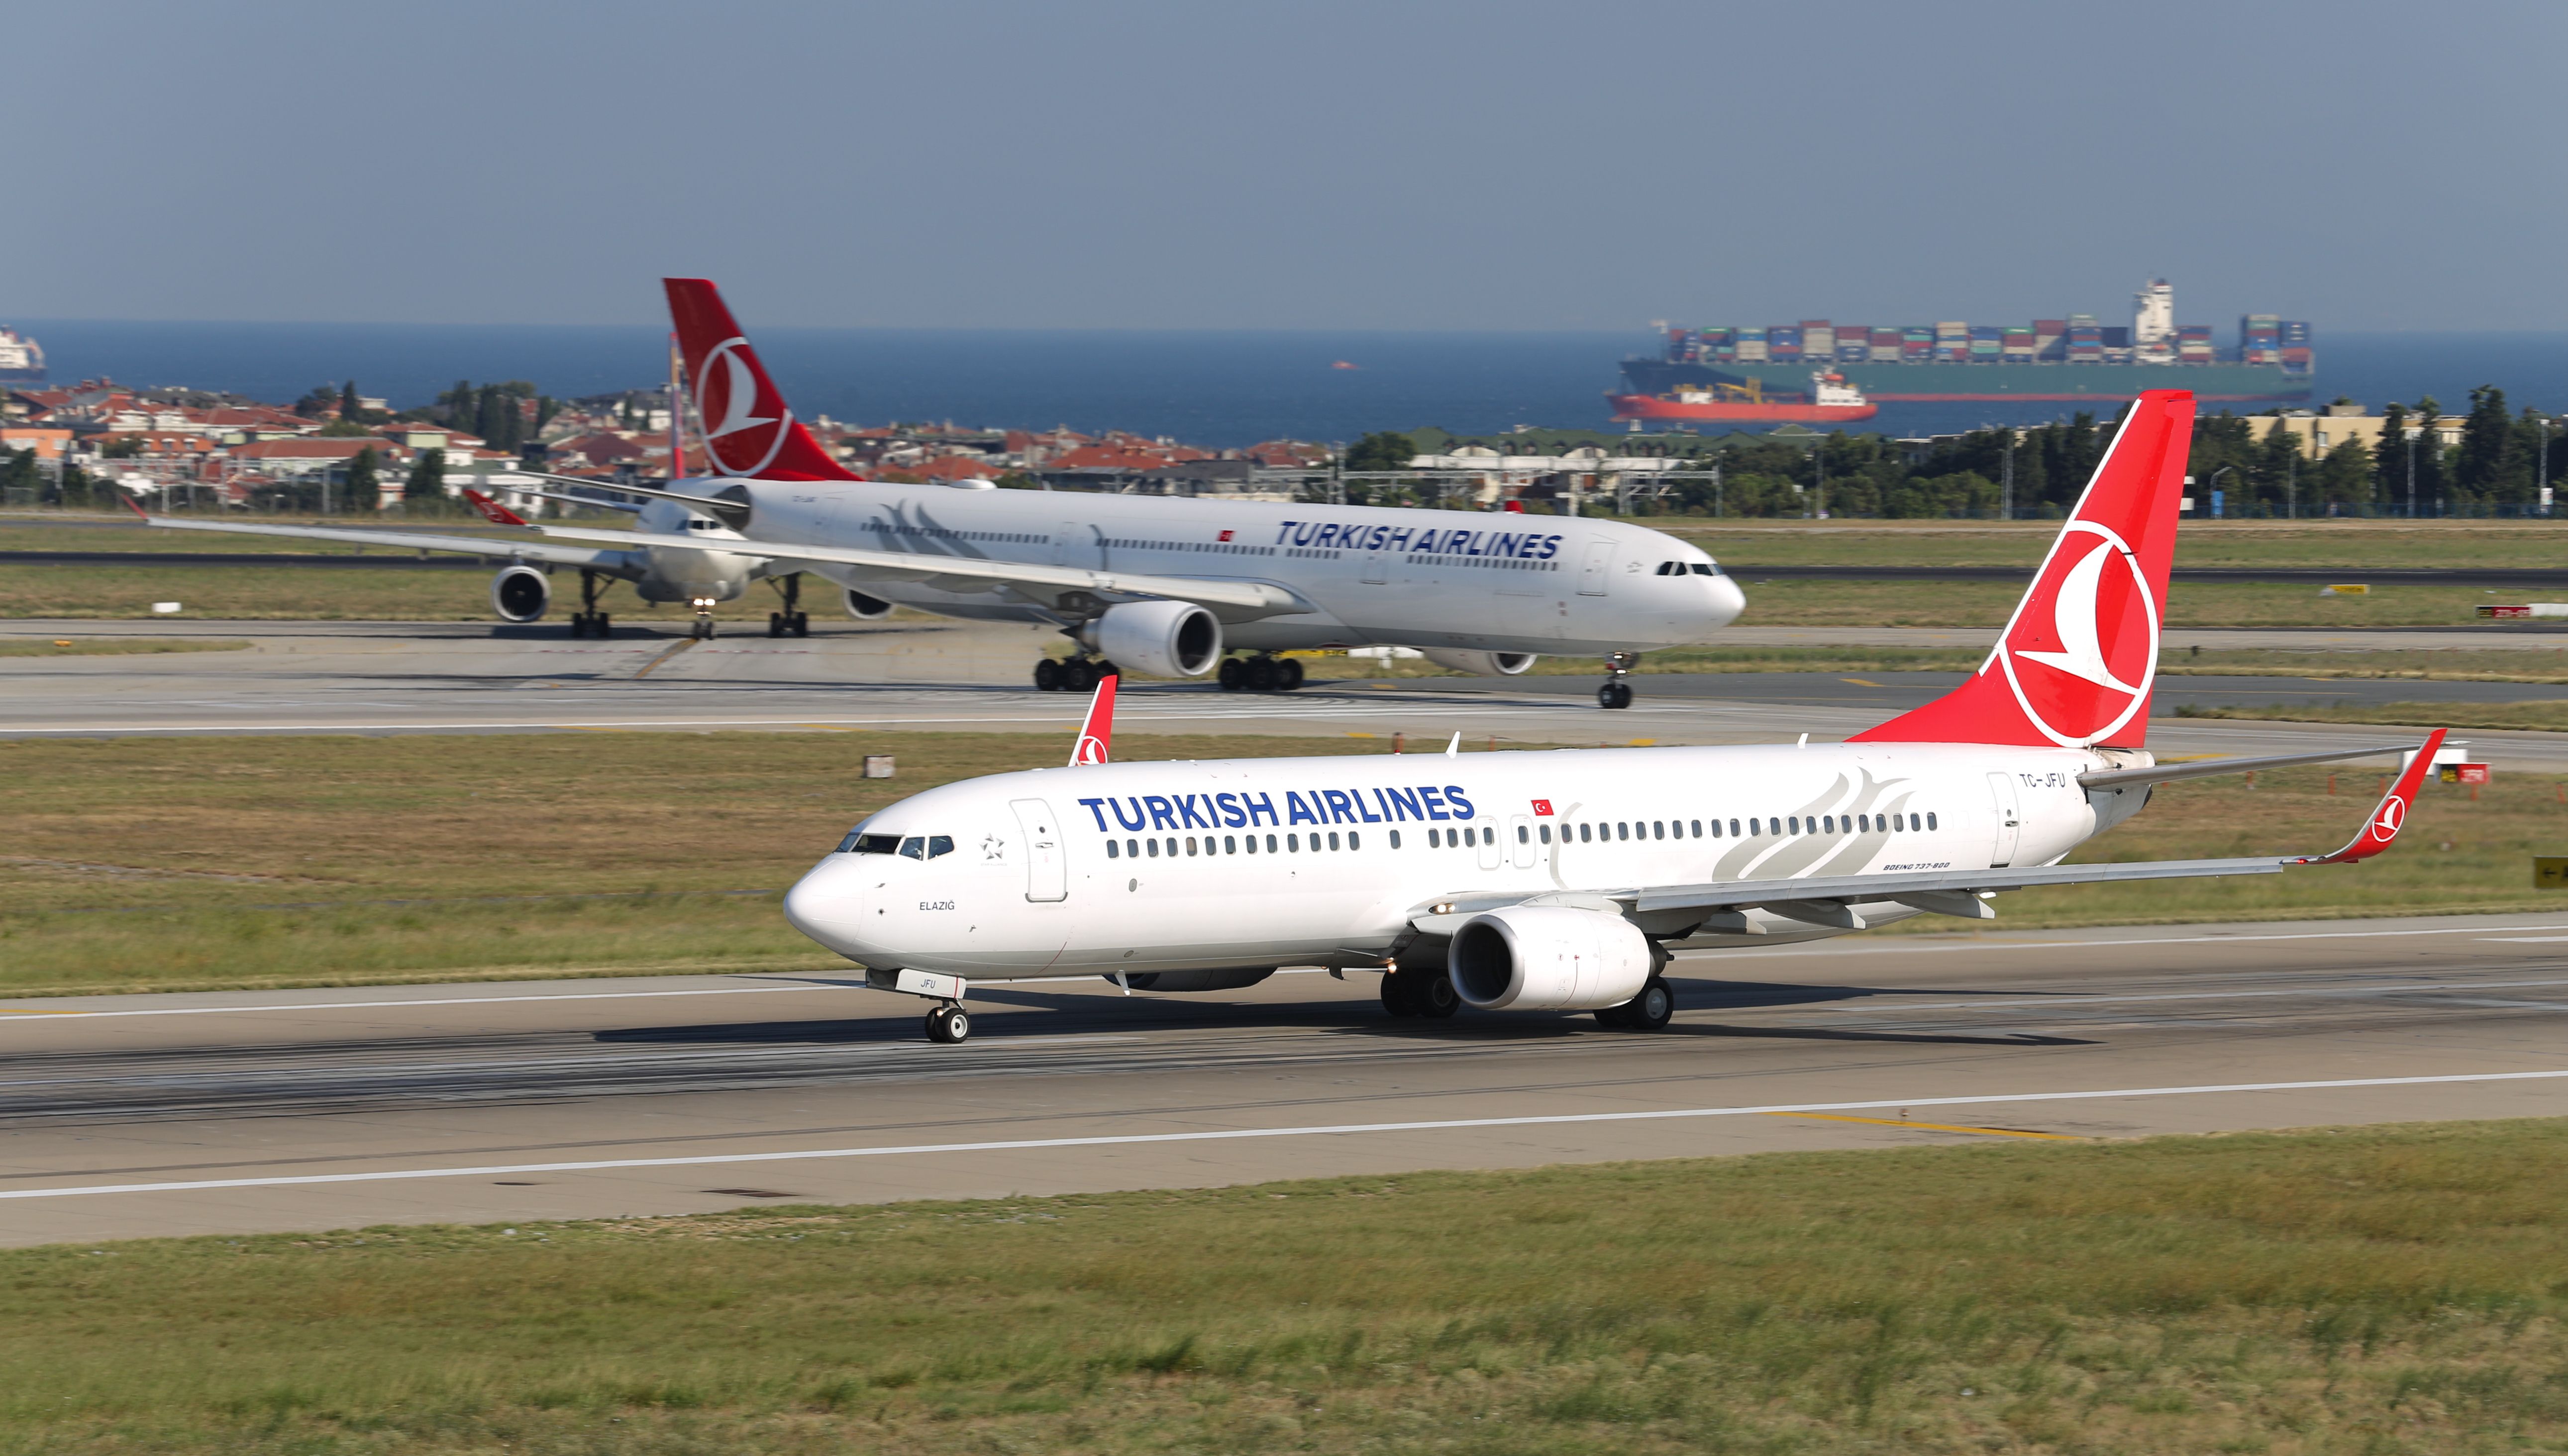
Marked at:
<point>1591,573</point>
<point>1047,872</point>
<point>2010,821</point>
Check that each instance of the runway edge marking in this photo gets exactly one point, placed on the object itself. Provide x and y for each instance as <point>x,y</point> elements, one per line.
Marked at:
<point>1242,1134</point>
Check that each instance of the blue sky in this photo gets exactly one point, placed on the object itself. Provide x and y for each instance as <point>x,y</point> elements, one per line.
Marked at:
<point>1400,166</point>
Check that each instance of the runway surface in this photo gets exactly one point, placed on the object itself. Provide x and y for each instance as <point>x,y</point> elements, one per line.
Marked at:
<point>467,678</point>
<point>288,1111</point>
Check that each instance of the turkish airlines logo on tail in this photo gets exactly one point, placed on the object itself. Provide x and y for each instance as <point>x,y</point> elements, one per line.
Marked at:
<point>2384,825</point>
<point>1089,751</point>
<point>745,419</point>
<point>2082,650</point>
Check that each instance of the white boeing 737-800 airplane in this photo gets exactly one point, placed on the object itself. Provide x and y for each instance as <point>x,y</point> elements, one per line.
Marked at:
<point>1169,586</point>
<point>1560,881</point>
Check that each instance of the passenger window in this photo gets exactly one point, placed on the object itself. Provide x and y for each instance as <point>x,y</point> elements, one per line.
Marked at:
<point>1716,828</point>
<point>1333,839</point>
<point>1582,834</point>
<point>1546,833</point>
<point>1489,834</point>
<point>1395,840</point>
<point>1229,845</point>
<point>1154,847</point>
<point>1622,829</point>
<point>1270,844</point>
<point>1930,820</point>
<point>939,844</point>
<point>1829,823</point>
<point>1657,830</point>
<point>1252,844</point>
<point>1524,836</point>
<point>1190,846</point>
<point>1434,841</point>
<point>1173,847</point>
<point>1734,827</point>
<point>1354,840</point>
<point>1293,842</point>
<point>914,847</point>
<point>1112,849</point>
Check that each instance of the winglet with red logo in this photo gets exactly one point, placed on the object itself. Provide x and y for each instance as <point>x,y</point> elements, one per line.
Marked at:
<point>1098,733</point>
<point>132,504</point>
<point>2392,811</point>
<point>748,431</point>
<point>2076,662</point>
<point>493,511</point>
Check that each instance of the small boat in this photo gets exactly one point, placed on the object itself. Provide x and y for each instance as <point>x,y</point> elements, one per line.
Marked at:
<point>1831,400</point>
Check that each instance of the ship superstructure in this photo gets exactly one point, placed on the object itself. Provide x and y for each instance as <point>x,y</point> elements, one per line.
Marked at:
<point>2075,358</point>
<point>21,362</point>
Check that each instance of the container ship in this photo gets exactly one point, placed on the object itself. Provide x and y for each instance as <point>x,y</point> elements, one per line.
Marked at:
<point>2071,360</point>
<point>1830,401</point>
<point>21,362</point>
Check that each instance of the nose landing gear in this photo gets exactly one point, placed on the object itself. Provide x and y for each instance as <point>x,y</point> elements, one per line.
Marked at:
<point>702,630</point>
<point>1616,693</point>
<point>950,1024</point>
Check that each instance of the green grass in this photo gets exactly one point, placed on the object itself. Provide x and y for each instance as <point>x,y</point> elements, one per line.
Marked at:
<point>2545,716</point>
<point>2458,665</point>
<point>2366,1290</point>
<point>1823,603</point>
<point>2356,546</point>
<point>165,864</point>
<point>111,645</point>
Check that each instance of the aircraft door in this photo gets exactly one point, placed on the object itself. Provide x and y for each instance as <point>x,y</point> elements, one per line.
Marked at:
<point>2010,821</point>
<point>1519,832</point>
<point>1076,544</point>
<point>1592,573</point>
<point>1376,567</point>
<point>1047,870</point>
<point>1493,853</point>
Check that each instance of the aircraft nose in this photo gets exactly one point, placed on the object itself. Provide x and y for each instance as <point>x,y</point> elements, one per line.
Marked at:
<point>828,904</point>
<point>1727,601</point>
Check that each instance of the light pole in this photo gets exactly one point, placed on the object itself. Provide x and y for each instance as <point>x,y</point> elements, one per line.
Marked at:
<point>2543,458</point>
<point>2412,474</point>
<point>2214,483</point>
<point>2006,480</point>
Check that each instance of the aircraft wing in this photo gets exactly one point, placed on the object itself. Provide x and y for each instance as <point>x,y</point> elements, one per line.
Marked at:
<point>409,541</point>
<point>1829,900</point>
<point>1255,595</point>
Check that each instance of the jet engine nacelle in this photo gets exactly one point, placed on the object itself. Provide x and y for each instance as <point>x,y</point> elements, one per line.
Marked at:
<point>1162,639</point>
<point>1548,958</point>
<point>1479,664</point>
<point>520,593</point>
<point>1197,980</point>
<point>866,609</point>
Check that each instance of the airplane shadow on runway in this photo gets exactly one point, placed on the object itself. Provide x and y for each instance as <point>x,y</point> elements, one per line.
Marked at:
<point>1088,1014</point>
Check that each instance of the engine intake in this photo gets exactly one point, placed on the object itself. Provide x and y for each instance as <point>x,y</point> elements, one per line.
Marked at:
<point>1545,958</point>
<point>864,608</point>
<point>1479,664</point>
<point>1163,639</point>
<point>520,593</point>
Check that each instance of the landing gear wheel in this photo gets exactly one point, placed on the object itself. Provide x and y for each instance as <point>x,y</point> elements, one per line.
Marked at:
<point>1614,695</point>
<point>775,624</point>
<point>704,630</point>
<point>597,622</point>
<point>1433,996</point>
<point>579,624</point>
<point>1395,995</point>
<point>1047,676</point>
<point>1260,674</point>
<point>797,624</point>
<point>1288,675</point>
<point>950,1024</point>
<point>1652,1009</point>
<point>1079,674</point>
<point>1232,676</point>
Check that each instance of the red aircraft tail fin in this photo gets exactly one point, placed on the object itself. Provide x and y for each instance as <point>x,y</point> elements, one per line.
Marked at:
<point>749,432</point>
<point>491,510</point>
<point>1097,735</point>
<point>2076,662</point>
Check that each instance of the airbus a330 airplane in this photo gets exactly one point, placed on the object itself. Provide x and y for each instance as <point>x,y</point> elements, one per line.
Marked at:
<point>1560,881</point>
<point>1165,585</point>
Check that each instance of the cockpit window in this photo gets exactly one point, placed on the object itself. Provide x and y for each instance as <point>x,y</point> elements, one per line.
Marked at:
<point>1705,568</point>
<point>915,847</point>
<point>863,843</point>
<point>939,844</point>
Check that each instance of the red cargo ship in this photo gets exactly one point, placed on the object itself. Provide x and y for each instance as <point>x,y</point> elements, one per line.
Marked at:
<point>1831,400</point>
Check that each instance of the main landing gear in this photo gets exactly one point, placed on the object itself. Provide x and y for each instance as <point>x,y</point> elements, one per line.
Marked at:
<point>1648,1012</point>
<point>1616,693</point>
<point>1419,992</point>
<point>1263,672</point>
<point>790,622</point>
<point>1071,674</point>
<point>588,619</point>
<point>950,1024</point>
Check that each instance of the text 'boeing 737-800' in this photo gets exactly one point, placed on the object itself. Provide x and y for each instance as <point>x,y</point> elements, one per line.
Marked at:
<point>1167,586</point>
<point>1560,881</point>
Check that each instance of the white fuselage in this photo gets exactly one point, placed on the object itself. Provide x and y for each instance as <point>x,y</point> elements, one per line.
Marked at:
<point>1370,575</point>
<point>1249,863</point>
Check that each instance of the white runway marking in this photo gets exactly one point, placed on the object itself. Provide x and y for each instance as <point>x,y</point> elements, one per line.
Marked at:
<point>2526,940</point>
<point>1879,948</point>
<point>1242,1134</point>
<point>451,1000</point>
